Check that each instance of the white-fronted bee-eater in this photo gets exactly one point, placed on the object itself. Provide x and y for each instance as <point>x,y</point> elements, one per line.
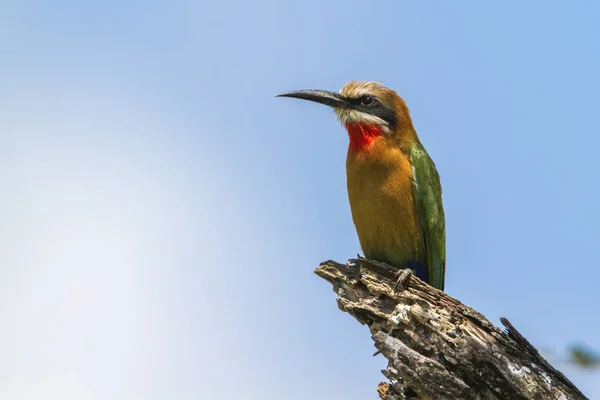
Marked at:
<point>393,185</point>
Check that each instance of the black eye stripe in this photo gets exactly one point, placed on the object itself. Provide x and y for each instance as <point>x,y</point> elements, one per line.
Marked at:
<point>375,108</point>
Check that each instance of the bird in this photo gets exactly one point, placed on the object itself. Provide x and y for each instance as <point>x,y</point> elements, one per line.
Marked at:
<point>393,185</point>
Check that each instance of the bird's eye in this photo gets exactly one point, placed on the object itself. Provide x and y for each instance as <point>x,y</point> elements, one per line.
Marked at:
<point>366,100</point>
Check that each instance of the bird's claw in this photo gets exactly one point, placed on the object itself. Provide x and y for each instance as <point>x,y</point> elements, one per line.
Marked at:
<point>402,278</point>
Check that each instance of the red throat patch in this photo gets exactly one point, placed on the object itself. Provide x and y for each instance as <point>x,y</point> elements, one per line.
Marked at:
<point>362,135</point>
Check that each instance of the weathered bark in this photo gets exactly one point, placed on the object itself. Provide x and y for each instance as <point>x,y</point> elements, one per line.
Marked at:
<point>436,347</point>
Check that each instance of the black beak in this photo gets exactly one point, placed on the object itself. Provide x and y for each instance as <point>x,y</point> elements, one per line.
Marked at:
<point>330,99</point>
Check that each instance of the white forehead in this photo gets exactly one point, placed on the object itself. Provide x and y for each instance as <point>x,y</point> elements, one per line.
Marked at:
<point>354,89</point>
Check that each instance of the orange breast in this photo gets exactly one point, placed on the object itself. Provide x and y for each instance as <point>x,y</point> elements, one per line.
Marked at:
<point>383,207</point>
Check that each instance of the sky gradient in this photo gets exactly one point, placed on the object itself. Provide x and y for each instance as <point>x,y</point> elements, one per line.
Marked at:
<point>163,212</point>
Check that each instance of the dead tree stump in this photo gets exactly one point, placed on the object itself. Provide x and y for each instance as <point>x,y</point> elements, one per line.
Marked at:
<point>436,347</point>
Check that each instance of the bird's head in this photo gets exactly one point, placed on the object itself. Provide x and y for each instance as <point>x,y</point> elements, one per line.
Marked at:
<point>368,110</point>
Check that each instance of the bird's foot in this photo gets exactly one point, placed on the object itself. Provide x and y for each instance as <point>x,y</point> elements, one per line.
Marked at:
<point>402,278</point>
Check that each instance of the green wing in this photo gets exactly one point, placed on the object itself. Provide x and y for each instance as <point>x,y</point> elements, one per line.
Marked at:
<point>428,195</point>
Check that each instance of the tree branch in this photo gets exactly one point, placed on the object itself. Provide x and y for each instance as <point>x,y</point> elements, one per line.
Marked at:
<point>436,347</point>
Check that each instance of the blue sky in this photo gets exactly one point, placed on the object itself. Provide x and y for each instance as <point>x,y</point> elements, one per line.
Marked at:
<point>163,212</point>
